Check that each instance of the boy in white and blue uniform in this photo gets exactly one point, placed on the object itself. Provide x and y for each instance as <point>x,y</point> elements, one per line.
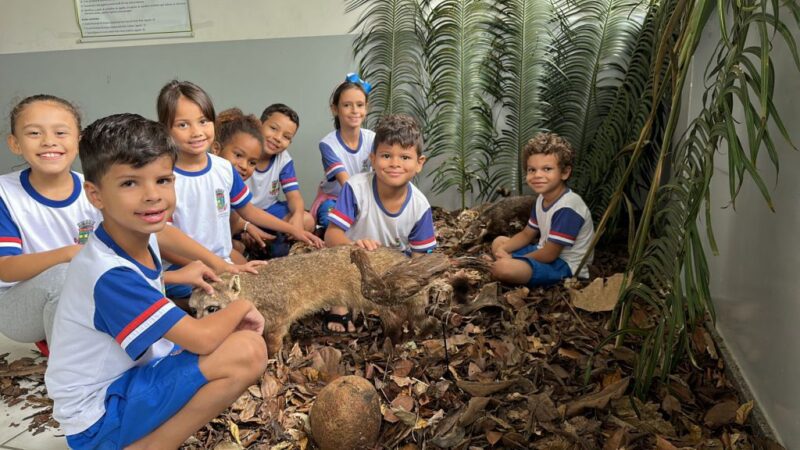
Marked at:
<point>559,231</point>
<point>274,173</point>
<point>383,207</point>
<point>127,366</point>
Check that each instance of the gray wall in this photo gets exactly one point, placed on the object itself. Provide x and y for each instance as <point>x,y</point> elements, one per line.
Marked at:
<point>754,279</point>
<point>301,72</point>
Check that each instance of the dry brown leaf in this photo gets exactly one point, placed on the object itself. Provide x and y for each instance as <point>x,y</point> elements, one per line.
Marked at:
<point>475,407</point>
<point>403,367</point>
<point>598,296</point>
<point>744,412</point>
<point>478,389</point>
<point>663,444</point>
<point>721,414</point>
<point>618,440</point>
<point>599,400</point>
<point>493,437</point>
<point>326,361</point>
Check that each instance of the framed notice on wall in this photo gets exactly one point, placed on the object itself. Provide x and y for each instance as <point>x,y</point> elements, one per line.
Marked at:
<point>105,20</point>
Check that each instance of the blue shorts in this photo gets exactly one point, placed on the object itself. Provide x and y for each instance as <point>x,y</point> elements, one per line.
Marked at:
<point>141,400</point>
<point>279,209</point>
<point>543,274</point>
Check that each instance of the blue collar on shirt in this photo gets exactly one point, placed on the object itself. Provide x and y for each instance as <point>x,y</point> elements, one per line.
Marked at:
<point>378,198</point>
<point>24,178</point>
<point>106,239</point>
<point>269,166</point>
<point>202,171</point>
<point>566,191</point>
<point>350,150</point>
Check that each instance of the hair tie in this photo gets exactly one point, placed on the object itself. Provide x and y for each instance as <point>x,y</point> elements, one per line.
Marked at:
<point>354,78</point>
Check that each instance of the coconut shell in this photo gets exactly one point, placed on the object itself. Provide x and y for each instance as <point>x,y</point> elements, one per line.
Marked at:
<point>346,415</point>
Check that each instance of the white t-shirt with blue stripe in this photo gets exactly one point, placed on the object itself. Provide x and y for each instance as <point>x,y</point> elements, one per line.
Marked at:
<point>566,222</point>
<point>338,157</point>
<point>112,316</point>
<point>203,203</point>
<point>360,213</point>
<point>279,176</point>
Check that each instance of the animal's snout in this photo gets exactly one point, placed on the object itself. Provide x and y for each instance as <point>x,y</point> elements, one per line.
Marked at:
<point>212,309</point>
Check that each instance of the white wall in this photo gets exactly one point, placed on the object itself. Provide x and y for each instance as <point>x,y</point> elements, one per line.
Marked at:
<point>754,280</point>
<point>44,25</point>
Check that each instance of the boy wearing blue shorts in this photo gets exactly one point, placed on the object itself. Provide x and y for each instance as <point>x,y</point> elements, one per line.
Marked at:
<point>560,228</point>
<point>129,369</point>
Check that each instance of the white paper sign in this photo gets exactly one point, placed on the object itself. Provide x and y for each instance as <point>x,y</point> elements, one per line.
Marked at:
<point>133,18</point>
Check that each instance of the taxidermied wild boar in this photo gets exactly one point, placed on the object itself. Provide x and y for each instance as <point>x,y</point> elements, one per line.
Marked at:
<point>295,286</point>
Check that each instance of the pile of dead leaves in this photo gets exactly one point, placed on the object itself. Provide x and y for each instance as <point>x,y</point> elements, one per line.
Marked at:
<point>507,370</point>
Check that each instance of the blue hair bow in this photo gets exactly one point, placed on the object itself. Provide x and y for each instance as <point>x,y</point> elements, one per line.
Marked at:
<point>354,78</point>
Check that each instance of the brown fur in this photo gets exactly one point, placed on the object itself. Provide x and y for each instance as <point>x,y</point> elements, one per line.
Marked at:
<point>296,286</point>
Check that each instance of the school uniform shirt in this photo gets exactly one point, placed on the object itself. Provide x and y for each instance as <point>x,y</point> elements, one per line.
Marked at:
<point>360,213</point>
<point>567,222</point>
<point>279,176</point>
<point>31,223</point>
<point>203,203</point>
<point>111,317</point>
<point>338,157</point>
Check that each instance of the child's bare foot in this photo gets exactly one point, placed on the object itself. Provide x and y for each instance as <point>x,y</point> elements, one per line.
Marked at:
<point>338,320</point>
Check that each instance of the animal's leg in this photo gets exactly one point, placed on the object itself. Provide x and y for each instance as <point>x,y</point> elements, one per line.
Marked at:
<point>274,339</point>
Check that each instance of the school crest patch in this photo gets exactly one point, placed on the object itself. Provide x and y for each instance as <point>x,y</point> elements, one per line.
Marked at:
<point>85,228</point>
<point>275,188</point>
<point>220,197</point>
<point>365,165</point>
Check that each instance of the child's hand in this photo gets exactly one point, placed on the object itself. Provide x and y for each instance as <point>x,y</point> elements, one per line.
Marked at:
<point>72,250</point>
<point>255,236</point>
<point>307,237</point>
<point>367,244</point>
<point>252,321</point>
<point>500,253</point>
<point>195,273</point>
<point>249,267</point>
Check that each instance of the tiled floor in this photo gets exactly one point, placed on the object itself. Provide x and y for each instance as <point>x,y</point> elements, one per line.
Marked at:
<point>13,425</point>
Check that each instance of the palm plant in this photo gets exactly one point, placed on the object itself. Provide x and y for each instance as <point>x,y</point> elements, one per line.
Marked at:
<point>521,52</point>
<point>460,127</point>
<point>667,267</point>
<point>594,42</point>
<point>391,55</point>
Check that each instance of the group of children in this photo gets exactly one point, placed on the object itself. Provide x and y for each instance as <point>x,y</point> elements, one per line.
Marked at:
<point>97,264</point>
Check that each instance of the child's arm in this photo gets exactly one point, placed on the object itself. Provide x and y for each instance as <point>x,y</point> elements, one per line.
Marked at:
<point>547,254</point>
<point>239,225</point>
<point>203,336</point>
<point>335,236</point>
<point>296,208</point>
<point>342,217</point>
<point>26,266</point>
<point>333,166</point>
<point>516,242</point>
<point>267,220</point>
<point>178,248</point>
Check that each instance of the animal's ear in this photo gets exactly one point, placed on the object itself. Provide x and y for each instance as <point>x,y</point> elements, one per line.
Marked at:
<point>235,285</point>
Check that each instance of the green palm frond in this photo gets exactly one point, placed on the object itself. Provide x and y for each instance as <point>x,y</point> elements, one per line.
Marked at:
<point>460,121</point>
<point>593,47</point>
<point>668,266</point>
<point>597,174</point>
<point>522,41</point>
<point>389,49</point>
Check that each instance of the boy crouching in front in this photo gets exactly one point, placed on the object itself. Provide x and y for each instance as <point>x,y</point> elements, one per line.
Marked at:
<point>127,367</point>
